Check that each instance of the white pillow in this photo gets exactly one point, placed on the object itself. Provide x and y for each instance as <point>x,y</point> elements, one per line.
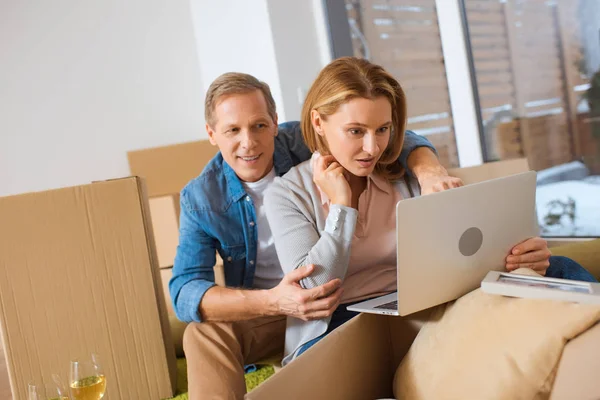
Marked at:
<point>486,346</point>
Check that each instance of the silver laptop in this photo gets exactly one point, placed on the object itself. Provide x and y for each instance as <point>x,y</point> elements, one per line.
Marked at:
<point>448,241</point>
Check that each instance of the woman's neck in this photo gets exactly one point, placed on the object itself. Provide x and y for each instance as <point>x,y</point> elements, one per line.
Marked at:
<point>358,184</point>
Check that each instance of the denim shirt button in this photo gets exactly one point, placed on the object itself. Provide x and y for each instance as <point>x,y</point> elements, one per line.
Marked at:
<point>251,223</point>
<point>251,262</point>
<point>247,198</point>
<point>229,258</point>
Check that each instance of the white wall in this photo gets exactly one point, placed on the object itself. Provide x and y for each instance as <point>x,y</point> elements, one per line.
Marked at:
<point>301,48</point>
<point>282,42</point>
<point>235,36</point>
<point>81,83</point>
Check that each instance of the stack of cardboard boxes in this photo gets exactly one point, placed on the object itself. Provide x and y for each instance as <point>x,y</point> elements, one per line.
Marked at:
<point>85,270</point>
<point>167,170</point>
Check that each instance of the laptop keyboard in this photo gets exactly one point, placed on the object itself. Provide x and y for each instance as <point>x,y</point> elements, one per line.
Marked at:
<point>392,305</point>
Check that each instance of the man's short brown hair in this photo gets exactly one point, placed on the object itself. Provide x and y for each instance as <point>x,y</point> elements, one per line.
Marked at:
<point>235,83</point>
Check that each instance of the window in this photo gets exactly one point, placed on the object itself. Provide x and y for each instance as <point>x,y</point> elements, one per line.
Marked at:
<point>536,82</point>
<point>533,70</point>
<point>403,36</point>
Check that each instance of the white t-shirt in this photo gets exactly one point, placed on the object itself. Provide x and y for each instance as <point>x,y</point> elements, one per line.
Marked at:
<point>268,272</point>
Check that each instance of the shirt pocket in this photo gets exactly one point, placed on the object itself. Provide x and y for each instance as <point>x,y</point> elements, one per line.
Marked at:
<point>234,263</point>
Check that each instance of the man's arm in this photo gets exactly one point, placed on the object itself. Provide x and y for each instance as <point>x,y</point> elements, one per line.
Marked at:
<point>432,175</point>
<point>418,156</point>
<point>196,298</point>
<point>290,134</point>
<point>193,270</point>
<point>287,298</point>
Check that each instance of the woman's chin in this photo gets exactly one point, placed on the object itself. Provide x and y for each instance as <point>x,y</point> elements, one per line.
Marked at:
<point>361,172</point>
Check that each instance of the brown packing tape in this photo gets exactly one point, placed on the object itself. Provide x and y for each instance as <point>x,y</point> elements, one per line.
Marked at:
<point>78,274</point>
<point>168,169</point>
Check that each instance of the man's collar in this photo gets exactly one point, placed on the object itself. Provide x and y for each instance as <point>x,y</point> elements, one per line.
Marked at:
<point>234,184</point>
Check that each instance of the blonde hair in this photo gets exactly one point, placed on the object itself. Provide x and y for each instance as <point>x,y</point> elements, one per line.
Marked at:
<point>341,81</point>
<point>235,83</point>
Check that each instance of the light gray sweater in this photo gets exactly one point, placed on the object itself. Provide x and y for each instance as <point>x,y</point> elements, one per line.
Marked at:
<point>305,234</point>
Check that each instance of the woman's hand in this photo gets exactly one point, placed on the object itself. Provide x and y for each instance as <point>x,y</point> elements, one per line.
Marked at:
<point>328,174</point>
<point>532,253</point>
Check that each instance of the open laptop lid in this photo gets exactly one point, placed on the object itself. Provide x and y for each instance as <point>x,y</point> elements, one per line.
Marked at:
<point>447,242</point>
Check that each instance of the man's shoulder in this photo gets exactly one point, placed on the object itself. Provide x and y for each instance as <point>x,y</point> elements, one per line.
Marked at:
<point>200,193</point>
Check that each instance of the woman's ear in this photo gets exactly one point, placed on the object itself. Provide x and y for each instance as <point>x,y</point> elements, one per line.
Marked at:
<point>317,122</point>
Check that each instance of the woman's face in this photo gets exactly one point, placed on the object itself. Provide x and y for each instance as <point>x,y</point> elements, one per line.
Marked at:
<point>357,133</point>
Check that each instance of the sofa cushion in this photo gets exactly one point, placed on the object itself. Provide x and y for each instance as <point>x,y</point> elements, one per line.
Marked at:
<point>486,346</point>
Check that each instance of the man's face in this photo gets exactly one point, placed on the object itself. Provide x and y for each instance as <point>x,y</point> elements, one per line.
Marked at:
<point>245,134</point>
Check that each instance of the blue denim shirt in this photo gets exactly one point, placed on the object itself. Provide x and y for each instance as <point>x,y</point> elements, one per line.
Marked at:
<point>217,216</point>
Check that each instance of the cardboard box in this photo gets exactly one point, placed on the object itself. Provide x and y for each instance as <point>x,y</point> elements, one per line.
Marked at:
<point>165,276</point>
<point>168,169</point>
<point>359,360</point>
<point>164,212</point>
<point>78,274</point>
<point>490,170</point>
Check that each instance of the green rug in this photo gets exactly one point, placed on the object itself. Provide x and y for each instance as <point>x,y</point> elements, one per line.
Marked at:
<point>253,379</point>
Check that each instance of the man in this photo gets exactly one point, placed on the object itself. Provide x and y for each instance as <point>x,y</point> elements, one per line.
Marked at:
<point>222,210</point>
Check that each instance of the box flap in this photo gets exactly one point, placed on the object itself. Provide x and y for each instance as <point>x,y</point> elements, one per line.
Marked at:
<point>490,170</point>
<point>354,357</point>
<point>76,277</point>
<point>168,169</point>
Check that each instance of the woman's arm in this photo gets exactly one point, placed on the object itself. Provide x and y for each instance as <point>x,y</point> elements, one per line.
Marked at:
<point>292,216</point>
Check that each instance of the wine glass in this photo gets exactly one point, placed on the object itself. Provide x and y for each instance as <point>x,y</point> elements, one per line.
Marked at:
<point>87,381</point>
<point>55,391</point>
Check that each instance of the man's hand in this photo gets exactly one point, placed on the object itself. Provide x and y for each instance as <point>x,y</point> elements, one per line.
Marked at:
<point>437,181</point>
<point>532,253</point>
<point>288,298</point>
<point>432,176</point>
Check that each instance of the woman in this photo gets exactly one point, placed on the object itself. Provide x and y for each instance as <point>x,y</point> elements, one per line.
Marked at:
<point>333,211</point>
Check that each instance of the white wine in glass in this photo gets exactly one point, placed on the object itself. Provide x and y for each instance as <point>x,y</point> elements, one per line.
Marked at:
<point>87,382</point>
